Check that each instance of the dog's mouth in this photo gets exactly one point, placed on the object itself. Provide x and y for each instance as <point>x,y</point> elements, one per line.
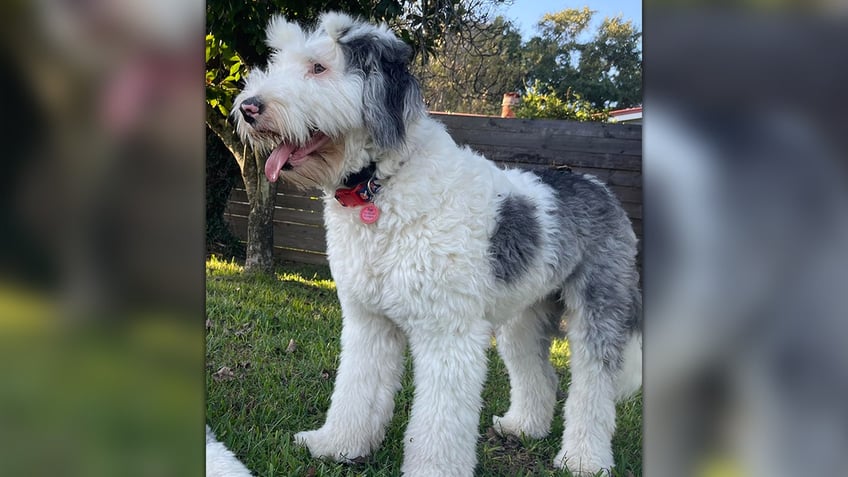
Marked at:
<point>288,155</point>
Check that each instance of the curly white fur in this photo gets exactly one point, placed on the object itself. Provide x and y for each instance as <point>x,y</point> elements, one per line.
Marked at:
<point>220,461</point>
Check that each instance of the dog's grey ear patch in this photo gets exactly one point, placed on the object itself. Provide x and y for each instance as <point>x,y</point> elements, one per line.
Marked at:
<point>516,239</point>
<point>391,93</point>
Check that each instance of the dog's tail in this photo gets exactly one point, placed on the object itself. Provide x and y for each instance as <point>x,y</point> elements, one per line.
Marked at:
<point>629,378</point>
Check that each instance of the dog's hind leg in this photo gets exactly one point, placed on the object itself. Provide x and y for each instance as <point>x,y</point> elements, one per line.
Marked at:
<point>600,324</point>
<point>370,368</point>
<point>525,344</point>
<point>449,369</point>
<point>629,378</point>
<point>589,411</point>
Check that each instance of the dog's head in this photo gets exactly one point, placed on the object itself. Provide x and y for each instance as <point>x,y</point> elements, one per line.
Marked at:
<point>330,99</point>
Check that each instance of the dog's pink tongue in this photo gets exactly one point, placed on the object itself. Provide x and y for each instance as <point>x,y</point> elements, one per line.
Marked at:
<point>277,160</point>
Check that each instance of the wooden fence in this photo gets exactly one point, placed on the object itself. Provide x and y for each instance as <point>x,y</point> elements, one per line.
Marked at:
<point>612,152</point>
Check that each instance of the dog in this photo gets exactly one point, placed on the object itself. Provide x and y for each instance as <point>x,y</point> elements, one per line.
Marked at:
<point>434,247</point>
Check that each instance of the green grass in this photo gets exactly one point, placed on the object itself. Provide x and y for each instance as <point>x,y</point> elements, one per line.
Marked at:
<point>274,391</point>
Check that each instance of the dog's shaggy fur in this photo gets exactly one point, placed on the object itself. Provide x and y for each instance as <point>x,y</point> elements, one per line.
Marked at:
<point>220,461</point>
<point>461,249</point>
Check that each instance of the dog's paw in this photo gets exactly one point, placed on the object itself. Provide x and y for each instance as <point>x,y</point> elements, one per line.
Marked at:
<point>323,443</point>
<point>508,424</point>
<point>583,465</point>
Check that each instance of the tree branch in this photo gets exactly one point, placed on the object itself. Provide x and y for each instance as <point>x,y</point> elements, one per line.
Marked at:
<point>224,130</point>
<point>245,158</point>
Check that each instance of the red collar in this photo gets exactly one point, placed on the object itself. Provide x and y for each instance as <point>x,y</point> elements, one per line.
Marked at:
<point>358,195</point>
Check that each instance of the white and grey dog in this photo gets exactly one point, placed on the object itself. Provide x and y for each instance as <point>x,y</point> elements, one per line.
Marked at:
<point>433,246</point>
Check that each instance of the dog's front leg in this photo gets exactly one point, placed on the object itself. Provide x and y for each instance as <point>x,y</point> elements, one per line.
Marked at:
<point>450,368</point>
<point>363,398</point>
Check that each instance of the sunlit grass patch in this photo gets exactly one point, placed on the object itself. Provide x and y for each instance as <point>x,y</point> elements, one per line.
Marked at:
<point>560,353</point>
<point>216,267</point>
<point>313,282</point>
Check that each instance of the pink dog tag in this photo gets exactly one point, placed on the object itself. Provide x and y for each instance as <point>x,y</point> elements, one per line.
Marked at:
<point>369,214</point>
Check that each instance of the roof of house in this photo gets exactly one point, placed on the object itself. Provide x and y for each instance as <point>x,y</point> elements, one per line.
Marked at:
<point>627,114</point>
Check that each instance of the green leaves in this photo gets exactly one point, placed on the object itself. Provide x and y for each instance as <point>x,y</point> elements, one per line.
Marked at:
<point>604,67</point>
<point>470,71</point>
<point>578,70</point>
<point>224,72</point>
<point>564,26</point>
<point>541,101</point>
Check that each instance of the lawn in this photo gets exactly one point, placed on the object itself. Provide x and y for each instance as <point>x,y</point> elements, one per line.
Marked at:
<point>272,347</point>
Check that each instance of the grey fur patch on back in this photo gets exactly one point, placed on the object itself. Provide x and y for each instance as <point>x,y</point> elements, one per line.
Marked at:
<point>516,240</point>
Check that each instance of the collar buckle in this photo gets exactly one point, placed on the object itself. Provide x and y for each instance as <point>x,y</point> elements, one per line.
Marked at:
<point>360,194</point>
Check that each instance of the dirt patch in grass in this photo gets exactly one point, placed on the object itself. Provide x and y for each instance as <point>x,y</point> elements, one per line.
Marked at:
<point>509,455</point>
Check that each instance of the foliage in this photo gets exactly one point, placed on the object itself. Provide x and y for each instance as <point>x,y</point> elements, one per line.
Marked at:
<point>613,57</point>
<point>472,68</point>
<point>468,59</point>
<point>565,26</point>
<point>541,102</point>
<point>276,390</point>
<point>605,70</point>
<point>224,72</point>
<point>423,24</point>
<point>551,55</point>
<point>242,24</point>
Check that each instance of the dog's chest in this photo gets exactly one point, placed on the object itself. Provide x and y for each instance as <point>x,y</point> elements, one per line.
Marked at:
<point>407,269</point>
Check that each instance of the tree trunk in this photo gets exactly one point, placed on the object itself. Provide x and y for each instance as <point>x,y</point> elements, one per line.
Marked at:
<point>260,221</point>
<point>261,195</point>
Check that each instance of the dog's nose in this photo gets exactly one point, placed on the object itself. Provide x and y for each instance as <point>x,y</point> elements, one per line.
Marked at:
<point>250,108</point>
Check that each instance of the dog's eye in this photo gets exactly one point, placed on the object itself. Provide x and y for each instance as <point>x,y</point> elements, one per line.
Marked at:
<point>318,68</point>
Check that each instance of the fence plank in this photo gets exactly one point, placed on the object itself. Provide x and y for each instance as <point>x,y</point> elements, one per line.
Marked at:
<point>634,211</point>
<point>300,256</point>
<point>627,194</point>
<point>302,237</point>
<point>286,235</point>
<point>296,202</point>
<point>534,126</point>
<point>287,189</point>
<point>281,213</point>
<point>546,142</point>
<point>549,157</point>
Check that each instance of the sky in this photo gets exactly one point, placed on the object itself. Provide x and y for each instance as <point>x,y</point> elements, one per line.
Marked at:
<point>527,13</point>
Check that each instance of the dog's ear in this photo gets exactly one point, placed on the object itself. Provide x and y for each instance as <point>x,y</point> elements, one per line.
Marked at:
<point>281,33</point>
<point>391,94</point>
<point>336,24</point>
